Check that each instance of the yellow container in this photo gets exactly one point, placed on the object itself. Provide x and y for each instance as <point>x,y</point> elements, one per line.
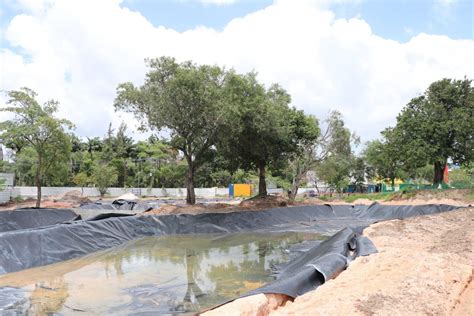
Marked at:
<point>242,190</point>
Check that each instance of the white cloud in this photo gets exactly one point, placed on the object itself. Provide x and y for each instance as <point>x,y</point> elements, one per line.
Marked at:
<point>218,2</point>
<point>446,3</point>
<point>78,51</point>
<point>211,2</point>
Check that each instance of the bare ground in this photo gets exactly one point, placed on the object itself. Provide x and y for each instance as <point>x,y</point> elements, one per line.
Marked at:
<point>424,266</point>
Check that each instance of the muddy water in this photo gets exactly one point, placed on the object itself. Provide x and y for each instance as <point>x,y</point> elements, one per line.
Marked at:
<point>156,275</point>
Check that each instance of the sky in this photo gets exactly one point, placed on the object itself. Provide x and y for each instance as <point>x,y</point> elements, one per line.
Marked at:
<point>365,58</point>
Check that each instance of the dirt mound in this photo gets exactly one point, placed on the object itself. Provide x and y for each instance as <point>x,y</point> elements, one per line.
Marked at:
<point>264,202</point>
<point>253,204</point>
<point>71,198</point>
<point>451,194</point>
<point>191,209</point>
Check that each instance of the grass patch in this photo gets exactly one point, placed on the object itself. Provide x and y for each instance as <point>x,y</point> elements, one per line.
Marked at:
<point>18,199</point>
<point>326,198</point>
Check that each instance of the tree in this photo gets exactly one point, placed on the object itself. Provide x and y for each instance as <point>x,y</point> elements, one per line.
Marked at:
<point>185,99</point>
<point>315,151</point>
<point>104,176</point>
<point>384,156</point>
<point>153,157</point>
<point>259,133</point>
<point>358,172</point>
<point>438,126</point>
<point>334,153</point>
<point>335,171</point>
<point>81,179</point>
<point>307,132</point>
<point>118,150</point>
<point>34,125</point>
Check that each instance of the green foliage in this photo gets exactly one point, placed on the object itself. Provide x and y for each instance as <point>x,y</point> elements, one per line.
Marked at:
<point>383,196</point>
<point>18,199</point>
<point>384,156</point>
<point>34,126</point>
<point>262,130</point>
<point>185,99</point>
<point>227,128</point>
<point>336,159</point>
<point>358,171</point>
<point>103,176</point>
<point>437,126</point>
<point>81,179</point>
<point>460,178</point>
<point>335,171</point>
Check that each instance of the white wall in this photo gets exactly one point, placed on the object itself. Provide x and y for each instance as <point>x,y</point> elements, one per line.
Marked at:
<point>30,192</point>
<point>5,195</point>
<point>26,192</point>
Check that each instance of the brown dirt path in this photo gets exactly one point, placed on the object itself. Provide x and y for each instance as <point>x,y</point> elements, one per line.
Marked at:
<point>424,266</point>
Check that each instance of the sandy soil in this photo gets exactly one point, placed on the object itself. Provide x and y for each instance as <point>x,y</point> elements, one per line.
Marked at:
<point>458,197</point>
<point>253,204</point>
<point>69,199</point>
<point>424,266</point>
<point>451,197</point>
<point>73,199</point>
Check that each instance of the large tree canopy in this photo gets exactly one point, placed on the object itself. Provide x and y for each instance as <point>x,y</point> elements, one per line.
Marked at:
<point>35,127</point>
<point>438,126</point>
<point>184,98</point>
<point>262,129</point>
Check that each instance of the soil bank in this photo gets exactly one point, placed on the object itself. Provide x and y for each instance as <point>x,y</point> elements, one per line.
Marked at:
<point>424,266</point>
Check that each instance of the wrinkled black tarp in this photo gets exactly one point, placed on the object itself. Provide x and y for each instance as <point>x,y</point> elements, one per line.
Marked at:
<point>122,204</point>
<point>319,264</point>
<point>36,247</point>
<point>119,204</point>
<point>32,218</point>
<point>26,248</point>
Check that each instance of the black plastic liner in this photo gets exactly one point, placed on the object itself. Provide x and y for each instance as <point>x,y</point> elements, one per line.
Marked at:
<point>120,204</point>
<point>321,263</point>
<point>133,205</point>
<point>32,217</point>
<point>27,248</point>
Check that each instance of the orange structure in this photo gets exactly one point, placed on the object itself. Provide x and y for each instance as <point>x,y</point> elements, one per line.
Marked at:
<point>240,190</point>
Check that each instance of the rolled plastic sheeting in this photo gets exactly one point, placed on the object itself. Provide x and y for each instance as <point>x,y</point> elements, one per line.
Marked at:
<point>319,264</point>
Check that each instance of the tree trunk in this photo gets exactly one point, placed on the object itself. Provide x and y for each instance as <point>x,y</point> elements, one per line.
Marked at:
<point>190,195</point>
<point>262,184</point>
<point>393,184</point>
<point>38,183</point>
<point>438,173</point>
<point>294,189</point>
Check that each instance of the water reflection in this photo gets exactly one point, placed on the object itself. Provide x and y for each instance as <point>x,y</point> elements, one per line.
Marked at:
<point>170,275</point>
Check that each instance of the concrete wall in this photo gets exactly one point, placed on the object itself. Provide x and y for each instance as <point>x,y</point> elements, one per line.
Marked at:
<point>9,178</point>
<point>26,192</point>
<point>30,192</point>
<point>5,195</point>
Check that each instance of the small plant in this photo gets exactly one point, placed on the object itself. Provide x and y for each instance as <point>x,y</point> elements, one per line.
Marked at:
<point>81,179</point>
<point>104,176</point>
<point>18,199</point>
